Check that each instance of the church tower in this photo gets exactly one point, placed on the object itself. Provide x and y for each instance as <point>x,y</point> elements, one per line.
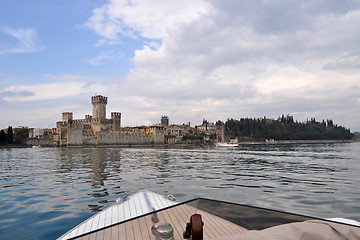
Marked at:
<point>99,107</point>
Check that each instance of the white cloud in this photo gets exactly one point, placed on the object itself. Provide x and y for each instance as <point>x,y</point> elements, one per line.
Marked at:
<point>101,58</point>
<point>149,19</point>
<point>62,87</point>
<point>26,38</point>
<point>242,59</point>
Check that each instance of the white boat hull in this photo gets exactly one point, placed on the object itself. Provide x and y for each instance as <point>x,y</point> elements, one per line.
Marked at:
<point>227,144</point>
<point>135,205</point>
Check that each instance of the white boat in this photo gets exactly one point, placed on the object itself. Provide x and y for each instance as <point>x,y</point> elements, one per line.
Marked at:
<point>226,144</point>
<point>147,215</point>
<point>36,146</point>
<point>130,207</point>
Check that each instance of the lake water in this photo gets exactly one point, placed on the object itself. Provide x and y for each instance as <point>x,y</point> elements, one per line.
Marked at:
<point>46,191</point>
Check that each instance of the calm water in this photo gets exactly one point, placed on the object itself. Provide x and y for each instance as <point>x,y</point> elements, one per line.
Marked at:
<point>44,192</point>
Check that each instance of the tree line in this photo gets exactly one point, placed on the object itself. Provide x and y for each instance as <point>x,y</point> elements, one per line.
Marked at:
<point>13,136</point>
<point>284,128</point>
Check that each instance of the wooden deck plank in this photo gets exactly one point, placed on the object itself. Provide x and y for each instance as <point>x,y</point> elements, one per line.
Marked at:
<point>136,228</point>
<point>115,233</point>
<point>129,232</point>
<point>148,225</point>
<point>178,216</point>
<point>130,208</point>
<point>210,225</point>
<point>122,232</point>
<point>143,228</point>
<point>93,236</point>
<point>175,222</point>
<point>190,211</point>
<point>227,227</point>
<point>164,217</point>
<point>107,234</point>
<point>182,215</point>
<point>84,237</point>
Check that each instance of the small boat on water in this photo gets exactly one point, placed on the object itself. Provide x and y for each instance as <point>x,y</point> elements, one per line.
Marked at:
<point>36,146</point>
<point>148,215</point>
<point>226,144</point>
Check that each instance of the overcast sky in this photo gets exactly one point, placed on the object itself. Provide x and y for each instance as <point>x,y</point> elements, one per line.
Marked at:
<point>188,59</point>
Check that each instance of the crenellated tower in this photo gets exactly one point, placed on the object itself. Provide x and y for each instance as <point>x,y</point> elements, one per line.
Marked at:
<point>67,117</point>
<point>99,107</point>
<point>116,121</point>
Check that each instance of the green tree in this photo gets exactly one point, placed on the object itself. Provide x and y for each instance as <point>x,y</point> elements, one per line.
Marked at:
<point>205,121</point>
<point>20,134</point>
<point>10,135</point>
<point>3,137</point>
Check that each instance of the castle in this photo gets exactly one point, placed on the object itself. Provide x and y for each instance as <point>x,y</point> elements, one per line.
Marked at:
<point>97,130</point>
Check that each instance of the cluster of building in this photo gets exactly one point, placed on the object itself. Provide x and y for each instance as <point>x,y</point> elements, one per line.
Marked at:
<point>96,130</point>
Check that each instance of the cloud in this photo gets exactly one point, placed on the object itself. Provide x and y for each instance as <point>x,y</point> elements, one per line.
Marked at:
<point>26,37</point>
<point>347,64</point>
<point>69,85</point>
<point>141,18</point>
<point>101,58</point>
<point>220,59</point>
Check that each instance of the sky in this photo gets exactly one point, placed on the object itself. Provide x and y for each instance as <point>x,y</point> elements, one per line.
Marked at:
<point>189,60</point>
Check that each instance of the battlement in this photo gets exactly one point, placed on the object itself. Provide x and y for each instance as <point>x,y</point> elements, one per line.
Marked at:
<point>67,116</point>
<point>97,130</point>
<point>115,114</point>
<point>98,99</point>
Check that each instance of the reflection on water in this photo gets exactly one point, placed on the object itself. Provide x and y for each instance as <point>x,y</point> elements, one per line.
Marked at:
<point>46,191</point>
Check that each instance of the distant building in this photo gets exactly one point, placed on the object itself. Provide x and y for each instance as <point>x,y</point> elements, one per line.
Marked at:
<point>177,132</point>
<point>165,121</point>
<point>208,130</point>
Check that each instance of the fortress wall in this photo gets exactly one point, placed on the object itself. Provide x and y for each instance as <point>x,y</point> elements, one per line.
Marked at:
<point>75,137</point>
<point>89,139</point>
<point>123,138</point>
<point>45,142</point>
<point>158,134</point>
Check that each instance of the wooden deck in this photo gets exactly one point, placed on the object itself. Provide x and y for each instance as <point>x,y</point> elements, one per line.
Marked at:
<point>178,216</point>
<point>136,205</point>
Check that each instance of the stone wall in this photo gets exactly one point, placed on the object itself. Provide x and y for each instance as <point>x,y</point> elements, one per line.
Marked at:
<point>44,142</point>
<point>123,138</point>
<point>75,137</point>
<point>80,137</point>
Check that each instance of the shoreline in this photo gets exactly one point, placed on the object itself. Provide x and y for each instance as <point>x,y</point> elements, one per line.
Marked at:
<point>187,144</point>
<point>296,142</point>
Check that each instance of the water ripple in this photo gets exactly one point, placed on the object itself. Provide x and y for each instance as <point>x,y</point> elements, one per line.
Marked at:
<point>46,191</point>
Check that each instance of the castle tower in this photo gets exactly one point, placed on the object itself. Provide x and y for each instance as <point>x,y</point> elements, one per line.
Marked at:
<point>116,121</point>
<point>158,134</point>
<point>99,107</point>
<point>67,117</point>
<point>164,120</point>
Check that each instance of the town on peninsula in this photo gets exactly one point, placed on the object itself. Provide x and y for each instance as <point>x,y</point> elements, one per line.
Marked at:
<point>97,130</point>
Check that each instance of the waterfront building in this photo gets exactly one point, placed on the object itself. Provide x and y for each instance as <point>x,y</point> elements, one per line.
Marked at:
<point>97,130</point>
